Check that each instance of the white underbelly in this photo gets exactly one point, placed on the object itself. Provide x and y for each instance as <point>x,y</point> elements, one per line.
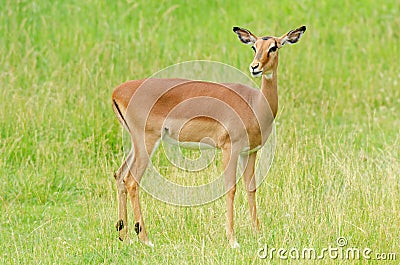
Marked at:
<point>247,150</point>
<point>199,145</point>
<point>190,145</point>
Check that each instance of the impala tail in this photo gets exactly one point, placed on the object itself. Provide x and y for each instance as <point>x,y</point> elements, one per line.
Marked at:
<point>120,116</point>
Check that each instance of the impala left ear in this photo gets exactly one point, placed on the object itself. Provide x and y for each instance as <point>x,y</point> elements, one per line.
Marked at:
<point>245,35</point>
<point>292,36</point>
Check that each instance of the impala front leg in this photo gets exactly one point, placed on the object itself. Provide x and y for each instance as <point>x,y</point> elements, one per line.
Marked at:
<point>248,163</point>
<point>230,163</point>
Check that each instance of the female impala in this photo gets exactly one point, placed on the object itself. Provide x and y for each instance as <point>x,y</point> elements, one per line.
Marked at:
<point>233,117</point>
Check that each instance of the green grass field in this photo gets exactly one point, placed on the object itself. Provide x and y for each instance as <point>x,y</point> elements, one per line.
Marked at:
<point>337,164</point>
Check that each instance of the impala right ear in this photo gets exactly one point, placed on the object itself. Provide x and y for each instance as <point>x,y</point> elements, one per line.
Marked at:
<point>292,36</point>
<point>245,35</point>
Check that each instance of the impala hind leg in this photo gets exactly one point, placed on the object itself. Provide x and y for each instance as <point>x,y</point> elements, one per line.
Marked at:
<point>230,163</point>
<point>132,180</point>
<point>249,180</point>
<point>122,223</point>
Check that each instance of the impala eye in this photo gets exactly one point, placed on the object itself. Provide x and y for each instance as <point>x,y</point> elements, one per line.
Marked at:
<point>273,49</point>
<point>254,48</point>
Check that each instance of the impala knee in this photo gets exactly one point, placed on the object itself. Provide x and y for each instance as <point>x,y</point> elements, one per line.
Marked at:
<point>232,190</point>
<point>130,184</point>
<point>121,187</point>
<point>251,190</point>
<point>251,185</point>
<point>120,173</point>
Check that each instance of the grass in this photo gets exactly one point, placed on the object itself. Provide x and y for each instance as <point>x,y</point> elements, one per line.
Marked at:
<point>336,168</point>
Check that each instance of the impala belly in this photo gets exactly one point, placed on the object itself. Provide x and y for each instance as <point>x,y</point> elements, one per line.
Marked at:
<point>247,150</point>
<point>199,132</point>
<point>190,145</point>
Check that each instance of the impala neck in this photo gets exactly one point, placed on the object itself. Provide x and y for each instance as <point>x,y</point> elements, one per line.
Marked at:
<point>269,89</point>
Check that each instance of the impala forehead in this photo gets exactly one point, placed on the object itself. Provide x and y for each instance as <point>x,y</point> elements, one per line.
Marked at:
<point>265,43</point>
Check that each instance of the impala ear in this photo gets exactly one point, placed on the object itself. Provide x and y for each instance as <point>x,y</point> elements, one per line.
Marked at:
<point>292,36</point>
<point>245,35</point>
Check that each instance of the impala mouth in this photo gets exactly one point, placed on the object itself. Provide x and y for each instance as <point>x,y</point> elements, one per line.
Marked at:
<point>256,73</point>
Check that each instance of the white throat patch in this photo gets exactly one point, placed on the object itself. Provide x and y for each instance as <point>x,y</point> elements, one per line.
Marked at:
<point>269,75</point>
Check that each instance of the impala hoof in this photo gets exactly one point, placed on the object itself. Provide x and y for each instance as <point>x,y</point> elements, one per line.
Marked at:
<point>138,228</point>
<point>150,244</point>
<point>122,229</point>
<point>235,244</point>
<point>119,225</point>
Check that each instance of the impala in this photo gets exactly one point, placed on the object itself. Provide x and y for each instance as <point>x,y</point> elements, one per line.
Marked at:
<point>232,117</point>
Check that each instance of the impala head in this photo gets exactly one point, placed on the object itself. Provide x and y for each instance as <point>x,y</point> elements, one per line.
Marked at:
<point>266,49</point>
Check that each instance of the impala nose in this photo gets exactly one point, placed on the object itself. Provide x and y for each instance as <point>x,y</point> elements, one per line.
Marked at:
<point>254,67</point>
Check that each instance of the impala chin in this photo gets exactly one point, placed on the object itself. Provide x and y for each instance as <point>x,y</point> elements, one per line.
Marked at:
<point>256,73</point>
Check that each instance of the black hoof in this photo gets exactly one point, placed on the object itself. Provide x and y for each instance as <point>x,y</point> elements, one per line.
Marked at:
<point>138,228</point>
<point>120,225</point>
